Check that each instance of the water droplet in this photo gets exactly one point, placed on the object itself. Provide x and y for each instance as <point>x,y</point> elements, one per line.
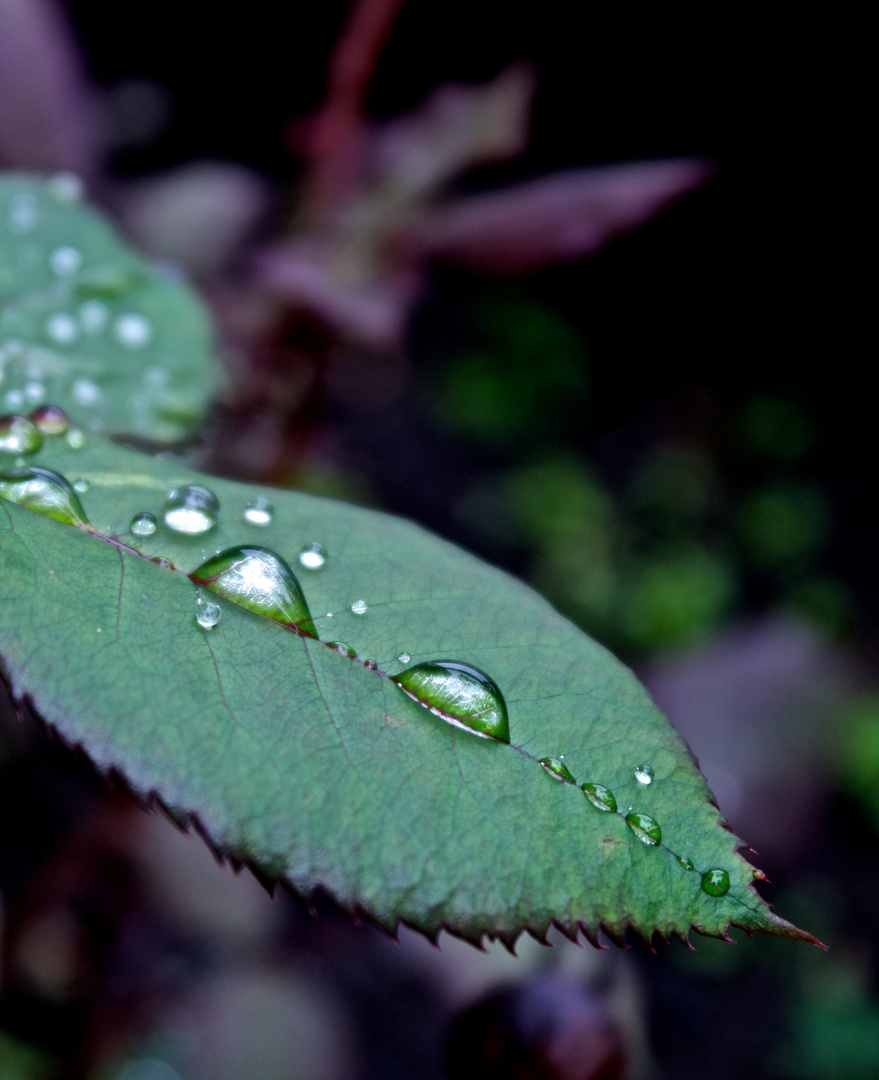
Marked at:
<point>643,774</point>
<point>23,213</point>
<point>93,316</point>
<point>715,882</point>
<point>143,524</point>
<point>66,187</point>
<point>342,648</point>
<point>50,420</point>
<point>44,492</point>
<point>65,261</point>
<point>14,399</point>
<point>75,439</point>
<point>556,767</point>
<point>86,393</point>
<point>460,693</point>
<point>62,328</point>
<point>18,435</point>
<point>133,331</point>
<point>191,509</point>
<point>34,393</point>
<point>370,665</point>
<point>207,613</point>
<point>602,798</point>
<point>313,556</point>
<point>359,607</point>
<point>686,863</point>
<point>644,827</point>
<point>260,580</point>
<point>404,657</point>
<point>81,486</point>
<point>259,512</point>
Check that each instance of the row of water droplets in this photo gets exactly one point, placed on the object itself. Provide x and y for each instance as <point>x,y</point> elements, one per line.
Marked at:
<point>260,580</point>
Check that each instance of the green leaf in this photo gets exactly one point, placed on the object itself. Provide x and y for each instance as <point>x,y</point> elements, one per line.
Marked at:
<point>121,346</point>
<point>316,765</point>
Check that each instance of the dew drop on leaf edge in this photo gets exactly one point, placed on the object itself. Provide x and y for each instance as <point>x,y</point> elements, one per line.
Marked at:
<point>643,774</point>
<point>19,435</point>
<point>602,798</point>
<point>557,768</point>
<point>257,579</point>
<point>45,492</point>
<point>715,882</point>
<point>191,510</point>
<point>143,524</point>
<point>644,827</point>
<point>312,556</point>
<point>459,693</point>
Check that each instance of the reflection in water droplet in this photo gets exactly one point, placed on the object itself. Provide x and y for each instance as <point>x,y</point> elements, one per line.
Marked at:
<point>50,420</point>
<point>359,607</point>
<point>191,509</point>
<point>602,798</point>
<point>313,556</point>
<point>65,261</point>
<point>44,492</point>
<point>342,648</point>
<point>85,392</point>
<point>260,580</point>
<point>207,613</point>
<point>133,331</point>
<point>686,863</point>
<point>715,882</point>
<point>81,486</point>
<point>75,439</point>
<point>93,315</point>
<point>556,767</point>
<point>23,213</point>
<point>259,512</point>
<point>644,827</point>
<point>643,774</point>
<point>461,694</point>
<point>18,435</point>
<point>404,657</point>
<point>62,328</point>
<point>143,524</point>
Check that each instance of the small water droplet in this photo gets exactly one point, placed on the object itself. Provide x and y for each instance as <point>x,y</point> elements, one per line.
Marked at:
<point>643,774</point>
<point>686,863</point>
<point>62,328</point>
<point>207,613</point>
<point>34,393</point>
<point>461,694</point>
<point>75,439</point>
<point>371,665</point>
<point>342,648</point>
<point>715,882</point>
<point>143,524</point>
<point>191,509</point>
<point>14,399</point>
<point>313,556</point>
<point>66,187</point>
<point>44,492</point>
<point>65,261</point>
<point>602,798</point>
<point>557,768</point>
<point>93,315</point>
<point>260,580</point>
<point>133,331</point>
<point>50,420</point>
<point>644,827</point>
<point>81,486</point>
<point>359,607</point>
<point>18,435</point>
<point>404,657</point>
<point>86,393</point>
<point>23,213</point>
<point>259,512</point>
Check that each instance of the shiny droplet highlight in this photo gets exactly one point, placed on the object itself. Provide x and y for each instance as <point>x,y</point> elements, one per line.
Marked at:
<point>259,512</point>
<point>45,492</point>
<point>557,768</point>
<point>602,798</point>
<point>191,509</point>
<point>645,828</point>
<point>715,882</point>
<point>643,774</point>
<point>143,524</point>
<point>312,556</point>
<point>18,435</point>
<point>461,694</point>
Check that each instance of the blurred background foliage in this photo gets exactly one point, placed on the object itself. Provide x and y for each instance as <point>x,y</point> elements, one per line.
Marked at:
<point>637,388</point>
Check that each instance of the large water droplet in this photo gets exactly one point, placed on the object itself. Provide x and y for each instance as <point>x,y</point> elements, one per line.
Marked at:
<point>556,767</point>
<point>715,882</point>
<point>50,420</point>
<point>260,580</point>
<point>644,827</point>
<point>259,512</point>
<point>313,556</point>
<point>18,435</point>
<point>133,331</point>
<point>359,607</point>
<point>643,774</point>
<point>191,509</point>
<point>461,694</point>
<point>62,328</point>
<point>143,524</point>
<point>207,614</point>
<point>686,863</point>
<point>23,213</point>
<point>602,798</point>
<point>65,261</point>
<point>44,492</point>
<point>342,648</point>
